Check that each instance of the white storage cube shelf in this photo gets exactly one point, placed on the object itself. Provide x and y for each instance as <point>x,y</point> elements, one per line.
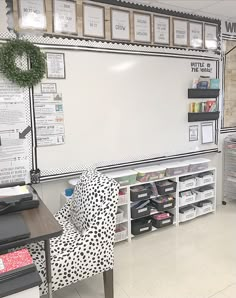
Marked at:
<point>174,172</point>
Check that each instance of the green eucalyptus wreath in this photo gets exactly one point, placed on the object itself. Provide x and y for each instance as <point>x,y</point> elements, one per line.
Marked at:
<point>17,48</point>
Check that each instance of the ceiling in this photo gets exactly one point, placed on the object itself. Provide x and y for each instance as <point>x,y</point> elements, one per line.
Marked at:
<point>222,9</point>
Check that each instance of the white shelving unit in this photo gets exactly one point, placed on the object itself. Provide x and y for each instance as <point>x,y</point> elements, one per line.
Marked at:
<point>124,203</point>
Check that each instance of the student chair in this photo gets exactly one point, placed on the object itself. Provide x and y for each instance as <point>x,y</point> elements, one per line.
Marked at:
<point>86,247</point>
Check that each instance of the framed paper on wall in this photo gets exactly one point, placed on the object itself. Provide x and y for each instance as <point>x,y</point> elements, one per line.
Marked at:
<point>161,27</point>
<point>48,88</point>
<point>120,24</point>
<point>32,14</point>
<point>211,36</point>
<point>193,133</point>
<point>64,17</point>
<point>142,27</point>
<point>196,34</point>
<point>55,65</point>
<point>207,133</point>
<point>180,32</point>
<point>93,21</point>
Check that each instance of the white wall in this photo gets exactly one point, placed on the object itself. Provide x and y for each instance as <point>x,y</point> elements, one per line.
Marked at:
<point>3,17</point>
<point>50,191</point>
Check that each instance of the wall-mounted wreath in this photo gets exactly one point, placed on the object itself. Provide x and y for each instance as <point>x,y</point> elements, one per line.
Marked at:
<point>13,49</point>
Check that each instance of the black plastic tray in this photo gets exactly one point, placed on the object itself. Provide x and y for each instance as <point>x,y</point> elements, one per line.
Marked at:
<point>203,116</point>
<point>203,93</point>
<point>166,189</point>
<point>140,227</point>
<point>164,206</point>
<point>163,223</point>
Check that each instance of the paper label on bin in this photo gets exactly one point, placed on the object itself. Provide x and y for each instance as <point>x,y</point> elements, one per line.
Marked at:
<point>143,195</point>
<point>168,205</point>
<point>178,172</point>
<point>190,199</point>
<point>207,180</point>
<point>144,229</point>
<point>124,182</point>
<point>190,215</point>
<point>208,209</point>
<point>190,184</point>
<point>166,221</point>
<point>1,265</point>
<point>208,194</point>
<point>169,189</point>
<point>142,210</point>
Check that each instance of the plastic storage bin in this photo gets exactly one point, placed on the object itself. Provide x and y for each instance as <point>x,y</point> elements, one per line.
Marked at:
<point>141,192</point>
<point>205,178</point>
<point>123,197</point>
<point>150,173</point>
<point>204,208</point>
<point>187,197</point>
<point>163,203</point>
<point>176,169</point>
<point>198,164</point>
<point>119,215</point>
<point>138,210</point>
<point>141,226</point>
<point>187,182</point>
<point>121,233</point>
<point>187,213</point>
<point>166,187</point>
<point>126,177</point>
<point>159,222</point>
<point>206,192</point>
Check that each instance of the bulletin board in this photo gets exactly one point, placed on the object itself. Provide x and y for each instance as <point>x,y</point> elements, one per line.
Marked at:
<point>123,108</point>
<point>15,132</point>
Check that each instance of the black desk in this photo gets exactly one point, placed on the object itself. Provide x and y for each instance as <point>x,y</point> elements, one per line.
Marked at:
<point>42,226</point>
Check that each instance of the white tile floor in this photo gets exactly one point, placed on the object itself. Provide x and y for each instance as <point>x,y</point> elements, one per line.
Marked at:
<point>196,260</point>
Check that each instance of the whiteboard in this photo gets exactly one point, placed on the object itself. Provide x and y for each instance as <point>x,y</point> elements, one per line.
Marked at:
<point>122,107</point>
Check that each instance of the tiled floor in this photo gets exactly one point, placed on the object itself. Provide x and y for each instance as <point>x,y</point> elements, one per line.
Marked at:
<point>196,260</point>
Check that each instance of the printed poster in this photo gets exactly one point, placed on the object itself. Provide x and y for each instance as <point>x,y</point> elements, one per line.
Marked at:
<point>49,117</point>
<point>14,161</point>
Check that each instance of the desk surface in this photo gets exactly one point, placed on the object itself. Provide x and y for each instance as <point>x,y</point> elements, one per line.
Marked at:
<point>42,226</point>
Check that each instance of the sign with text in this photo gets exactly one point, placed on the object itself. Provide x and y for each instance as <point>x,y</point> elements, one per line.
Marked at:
<point>120,24</point>
<point>201,67</point>
<point>229,27</point>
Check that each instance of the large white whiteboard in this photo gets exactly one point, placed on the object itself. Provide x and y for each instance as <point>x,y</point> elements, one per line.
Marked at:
<point>120,108</point>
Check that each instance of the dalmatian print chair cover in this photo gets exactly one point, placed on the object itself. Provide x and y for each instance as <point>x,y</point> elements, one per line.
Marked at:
<point>86,247</point>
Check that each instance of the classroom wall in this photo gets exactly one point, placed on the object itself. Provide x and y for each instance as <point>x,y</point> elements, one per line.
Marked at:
<point>50,191</point>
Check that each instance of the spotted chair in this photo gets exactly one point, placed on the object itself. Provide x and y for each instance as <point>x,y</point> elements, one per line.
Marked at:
<point>86,247</point>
